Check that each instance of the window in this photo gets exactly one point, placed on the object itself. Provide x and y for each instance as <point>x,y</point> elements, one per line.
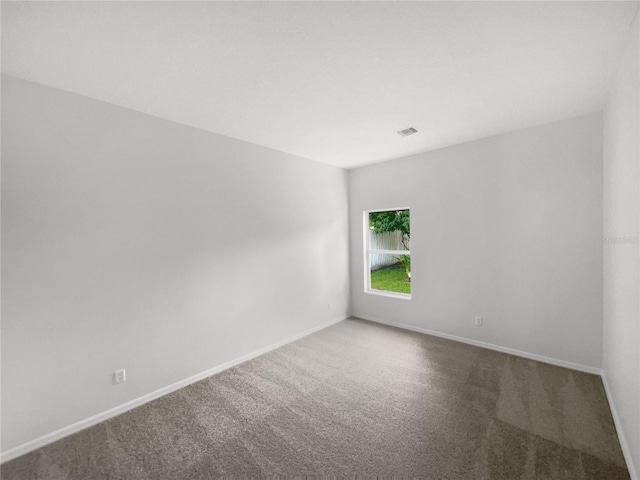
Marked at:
<point>387,246</point>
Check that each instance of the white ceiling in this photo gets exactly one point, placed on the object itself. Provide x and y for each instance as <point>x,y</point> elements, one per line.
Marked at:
<point>330,81</point>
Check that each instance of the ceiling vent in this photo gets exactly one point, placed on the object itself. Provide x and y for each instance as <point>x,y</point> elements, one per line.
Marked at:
<point>407,131</point>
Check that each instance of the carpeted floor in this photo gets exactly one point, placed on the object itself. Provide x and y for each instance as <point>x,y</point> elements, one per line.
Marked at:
<point>356,399</point>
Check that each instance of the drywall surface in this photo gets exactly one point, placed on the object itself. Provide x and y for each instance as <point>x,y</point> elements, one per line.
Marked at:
<point>508,228</point>
<point>621,341</point>
<point>133,242</point>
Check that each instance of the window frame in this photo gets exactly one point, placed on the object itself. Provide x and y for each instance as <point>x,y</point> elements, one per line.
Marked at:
<point>368,251</point>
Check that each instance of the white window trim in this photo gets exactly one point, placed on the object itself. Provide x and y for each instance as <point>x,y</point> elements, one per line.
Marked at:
<point>367,251</point>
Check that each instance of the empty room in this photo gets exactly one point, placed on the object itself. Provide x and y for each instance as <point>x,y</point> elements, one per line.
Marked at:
<point>320,239</point>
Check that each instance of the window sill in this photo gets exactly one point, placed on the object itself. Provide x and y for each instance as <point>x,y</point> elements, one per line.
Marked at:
<point>382,293</point>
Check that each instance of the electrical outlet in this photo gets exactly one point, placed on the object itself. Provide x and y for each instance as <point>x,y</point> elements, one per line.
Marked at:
<point>328,306</point>
<point>478,321</point>
<point>120,376</point>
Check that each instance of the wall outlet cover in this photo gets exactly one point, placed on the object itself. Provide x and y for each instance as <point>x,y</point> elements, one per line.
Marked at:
<point>120,376</point>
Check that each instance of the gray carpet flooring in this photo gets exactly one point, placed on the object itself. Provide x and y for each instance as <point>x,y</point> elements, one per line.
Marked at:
<point>356,399</point>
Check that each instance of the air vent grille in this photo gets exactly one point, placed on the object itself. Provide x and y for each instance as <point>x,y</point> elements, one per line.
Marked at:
<point>407,131</point>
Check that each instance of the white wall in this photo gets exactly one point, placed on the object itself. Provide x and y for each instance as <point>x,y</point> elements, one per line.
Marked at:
<point>621,355</point>
<point>508,228</point>
<point>133,242</point>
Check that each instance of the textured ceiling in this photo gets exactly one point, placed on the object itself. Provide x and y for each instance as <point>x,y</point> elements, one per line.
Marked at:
<point>330,81</point>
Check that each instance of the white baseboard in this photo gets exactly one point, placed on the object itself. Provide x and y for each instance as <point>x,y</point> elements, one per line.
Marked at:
<point>626,451</point>
<point>101,417</point>
<point>490,346</point>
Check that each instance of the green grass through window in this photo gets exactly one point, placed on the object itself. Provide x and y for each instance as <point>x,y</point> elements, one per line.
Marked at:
<point>391,279</point>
